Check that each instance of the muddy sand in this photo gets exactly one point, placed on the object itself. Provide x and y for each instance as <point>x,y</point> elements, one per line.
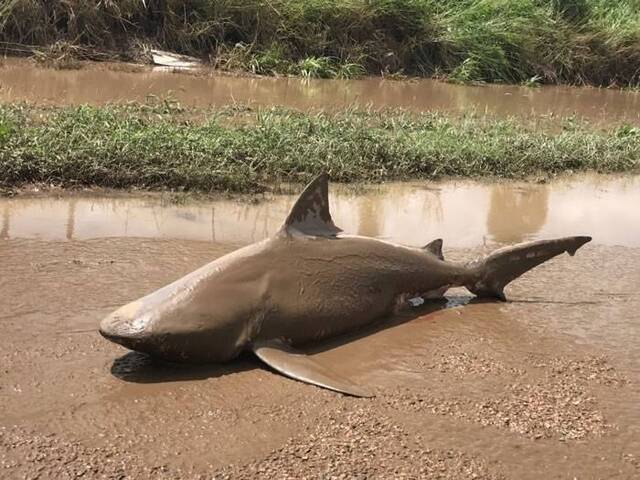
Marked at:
<point>545,386</point>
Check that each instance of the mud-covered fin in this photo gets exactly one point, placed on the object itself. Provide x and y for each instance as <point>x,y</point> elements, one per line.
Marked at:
<point>435,247</point>
<point>493,273</point>
<point>291,363</point>
<point>310,215</point>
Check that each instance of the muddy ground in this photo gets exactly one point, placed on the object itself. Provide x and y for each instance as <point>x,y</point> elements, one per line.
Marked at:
<point>545,386</point>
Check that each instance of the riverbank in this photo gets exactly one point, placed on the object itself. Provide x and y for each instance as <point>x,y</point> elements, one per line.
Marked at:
<point>165,146</point>
<point>594,42</point>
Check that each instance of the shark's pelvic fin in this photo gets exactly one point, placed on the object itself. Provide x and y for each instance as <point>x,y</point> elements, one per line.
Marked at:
<point>435,247</point>
<point>310,215</point>
<point>291,363</point>
<point>490,275</point>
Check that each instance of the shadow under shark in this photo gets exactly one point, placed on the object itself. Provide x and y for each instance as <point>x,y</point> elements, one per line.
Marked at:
<point>306,284</point>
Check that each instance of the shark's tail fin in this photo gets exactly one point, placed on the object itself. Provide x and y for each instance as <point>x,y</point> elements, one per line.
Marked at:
<point>491,274</point>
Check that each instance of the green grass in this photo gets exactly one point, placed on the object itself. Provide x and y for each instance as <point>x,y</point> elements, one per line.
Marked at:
<point>162,146</point>
<point>555,41</point>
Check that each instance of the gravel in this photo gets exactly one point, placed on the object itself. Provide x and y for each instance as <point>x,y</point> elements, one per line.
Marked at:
<point>360,443</point>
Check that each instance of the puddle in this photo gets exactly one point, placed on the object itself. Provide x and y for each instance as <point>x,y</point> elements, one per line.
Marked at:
<point>21,80</point>
<point>465,214</point>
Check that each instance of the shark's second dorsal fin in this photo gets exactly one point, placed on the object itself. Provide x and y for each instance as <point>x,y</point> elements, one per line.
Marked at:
<point>310,215</point>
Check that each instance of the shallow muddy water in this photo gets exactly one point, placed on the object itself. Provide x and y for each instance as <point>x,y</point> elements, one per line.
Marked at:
<point>20,80</point>
<point>465,213</point>
<point>544,386</point>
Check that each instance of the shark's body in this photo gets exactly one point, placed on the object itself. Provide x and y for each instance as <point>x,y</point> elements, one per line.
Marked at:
<point>304,284</point>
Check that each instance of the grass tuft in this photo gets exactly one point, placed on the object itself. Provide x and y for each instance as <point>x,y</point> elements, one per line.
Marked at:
<point>161,145</point>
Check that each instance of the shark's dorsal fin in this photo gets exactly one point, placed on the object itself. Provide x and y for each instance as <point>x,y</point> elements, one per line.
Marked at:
<point>310,215</point>
<point>435,247</point>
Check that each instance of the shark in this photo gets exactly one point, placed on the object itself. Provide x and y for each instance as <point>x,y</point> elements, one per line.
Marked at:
<point>307,283</point>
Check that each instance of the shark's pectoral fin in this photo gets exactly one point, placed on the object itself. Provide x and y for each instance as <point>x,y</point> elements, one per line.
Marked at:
<point>291,363</point>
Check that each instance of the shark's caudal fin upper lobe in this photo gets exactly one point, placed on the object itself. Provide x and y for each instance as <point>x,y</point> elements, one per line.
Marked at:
<point>491,274</point>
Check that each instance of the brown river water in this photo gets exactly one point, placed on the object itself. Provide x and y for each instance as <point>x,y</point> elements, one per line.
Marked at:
<point>21,80</point>
<point>544,386</point>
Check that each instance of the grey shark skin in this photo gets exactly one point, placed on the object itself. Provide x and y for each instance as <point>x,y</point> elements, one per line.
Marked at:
<point>305,284</point>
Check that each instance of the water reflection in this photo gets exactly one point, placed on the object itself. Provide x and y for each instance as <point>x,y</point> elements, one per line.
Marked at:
<point>465,214</point>
<point>71,219</point>
<point>21,80</point>
<point>516,213</point>
<point>4,232</point>
<point>369,215</point>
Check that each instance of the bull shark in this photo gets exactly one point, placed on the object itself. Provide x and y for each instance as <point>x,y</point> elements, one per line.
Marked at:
<point>306,283</point>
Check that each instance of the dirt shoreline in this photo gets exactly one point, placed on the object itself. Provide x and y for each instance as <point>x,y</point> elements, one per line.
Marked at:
<point>521,390</point>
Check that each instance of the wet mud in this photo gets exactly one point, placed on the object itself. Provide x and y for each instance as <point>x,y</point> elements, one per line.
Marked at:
<point>21,80</point>
<point>545,386</point>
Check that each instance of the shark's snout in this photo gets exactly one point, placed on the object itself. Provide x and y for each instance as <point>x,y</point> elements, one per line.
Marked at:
<point>159,332</point>
<point>126,326</point>
<point>183,322</point>
<point>129,341</point>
